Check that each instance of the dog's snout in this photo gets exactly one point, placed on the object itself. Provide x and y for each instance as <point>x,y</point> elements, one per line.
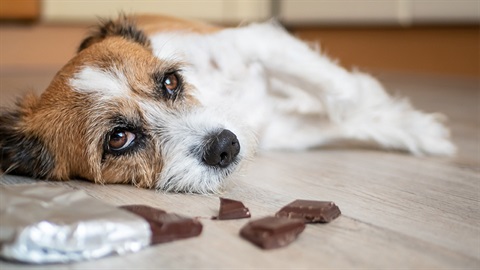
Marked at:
<point>221,149</point>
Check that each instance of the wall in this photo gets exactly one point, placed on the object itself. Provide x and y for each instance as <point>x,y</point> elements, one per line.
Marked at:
<point>414,36</point>
<point>292,12</point>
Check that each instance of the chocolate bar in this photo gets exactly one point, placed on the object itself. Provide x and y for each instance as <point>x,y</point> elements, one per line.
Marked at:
<point>310,211</point>
<point>165,226</point>
<point>272,232</point>
<point>231,209</point>
<point>144,211</point>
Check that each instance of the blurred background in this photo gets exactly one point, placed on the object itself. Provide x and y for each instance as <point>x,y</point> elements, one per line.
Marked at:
<point>426,37</point>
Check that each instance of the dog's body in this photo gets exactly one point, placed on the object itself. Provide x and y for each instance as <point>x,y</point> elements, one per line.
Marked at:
<point>176,105</point>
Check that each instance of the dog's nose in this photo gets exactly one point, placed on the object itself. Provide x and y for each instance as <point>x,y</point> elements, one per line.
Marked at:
<point>221,149</point>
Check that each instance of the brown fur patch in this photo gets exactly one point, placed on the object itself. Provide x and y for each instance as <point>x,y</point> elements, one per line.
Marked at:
<point>124,26</point>
<point>22,151</point>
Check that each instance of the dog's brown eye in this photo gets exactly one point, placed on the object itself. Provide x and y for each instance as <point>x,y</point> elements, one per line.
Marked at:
<point>120,139</point>
<point>171,83</point>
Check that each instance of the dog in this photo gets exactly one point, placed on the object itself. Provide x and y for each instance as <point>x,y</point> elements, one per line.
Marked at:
<point>176,105</point>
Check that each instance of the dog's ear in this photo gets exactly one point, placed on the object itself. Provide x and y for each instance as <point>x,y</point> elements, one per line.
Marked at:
<point>21,151</point>
<point>125,26</point>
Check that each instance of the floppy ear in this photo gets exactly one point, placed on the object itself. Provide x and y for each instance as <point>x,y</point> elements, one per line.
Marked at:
<point>124,26</point>
<point>21,151</point>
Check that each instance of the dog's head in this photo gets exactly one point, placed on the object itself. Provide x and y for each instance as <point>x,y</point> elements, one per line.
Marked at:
<point>117,114</point>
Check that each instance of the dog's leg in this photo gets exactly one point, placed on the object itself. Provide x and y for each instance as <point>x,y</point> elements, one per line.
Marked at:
<point>356,105</point>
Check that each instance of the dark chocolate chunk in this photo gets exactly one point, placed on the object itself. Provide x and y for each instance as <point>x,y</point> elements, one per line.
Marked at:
<point>272,232</point>
<point>166,227</point>
<point>231,209</point>
<point>170,227</point>
<point>310,211</point>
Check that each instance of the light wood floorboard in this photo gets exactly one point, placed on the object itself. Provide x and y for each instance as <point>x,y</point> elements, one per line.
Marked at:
<point>398,211</point>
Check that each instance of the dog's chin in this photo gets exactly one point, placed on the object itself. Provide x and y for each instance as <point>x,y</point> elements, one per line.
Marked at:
<point>196,178</point>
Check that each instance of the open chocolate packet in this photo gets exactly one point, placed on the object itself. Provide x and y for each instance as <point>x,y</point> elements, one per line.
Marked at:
<point>41,223</point>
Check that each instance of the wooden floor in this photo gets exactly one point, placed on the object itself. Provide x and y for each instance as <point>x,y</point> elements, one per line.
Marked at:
<point>398,211</point>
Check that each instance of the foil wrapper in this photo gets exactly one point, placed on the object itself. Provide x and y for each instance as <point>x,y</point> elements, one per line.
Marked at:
<point>45,224</point>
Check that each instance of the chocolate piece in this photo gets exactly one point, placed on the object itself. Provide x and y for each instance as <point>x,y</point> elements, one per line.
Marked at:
<point>166,227</point>
<point>231,209</point>
<point>310,211</point>
<point>272,232</point>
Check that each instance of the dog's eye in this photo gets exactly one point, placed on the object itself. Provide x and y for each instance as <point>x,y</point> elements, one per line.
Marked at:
<point>120,139</point>
<point>171,83</point>
<point>168,85</point>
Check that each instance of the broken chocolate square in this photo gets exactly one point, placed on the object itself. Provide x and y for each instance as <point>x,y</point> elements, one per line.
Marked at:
<point>272,232</point>
<point>166,227</point>
<point>231,209</point>
<point>170,227</point>
<point>310,211</point>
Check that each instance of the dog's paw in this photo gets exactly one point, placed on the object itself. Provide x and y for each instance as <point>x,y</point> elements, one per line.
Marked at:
<point>432,137</point>
<point>397,125</point>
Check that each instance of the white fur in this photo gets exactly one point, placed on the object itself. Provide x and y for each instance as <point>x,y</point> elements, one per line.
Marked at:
<point>294,97</point>
<point>107,83</point>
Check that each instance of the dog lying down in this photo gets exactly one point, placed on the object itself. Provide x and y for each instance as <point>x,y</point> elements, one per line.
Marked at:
<point>175,105</point>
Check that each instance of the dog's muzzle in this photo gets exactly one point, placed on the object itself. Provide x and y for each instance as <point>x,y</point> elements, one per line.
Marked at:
<point>221,149</point>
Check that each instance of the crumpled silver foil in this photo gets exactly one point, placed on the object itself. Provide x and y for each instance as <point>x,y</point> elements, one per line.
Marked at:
<point>44,224</point>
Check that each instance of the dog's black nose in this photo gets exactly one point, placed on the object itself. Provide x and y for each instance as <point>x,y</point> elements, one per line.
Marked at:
<point>221,149</point>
